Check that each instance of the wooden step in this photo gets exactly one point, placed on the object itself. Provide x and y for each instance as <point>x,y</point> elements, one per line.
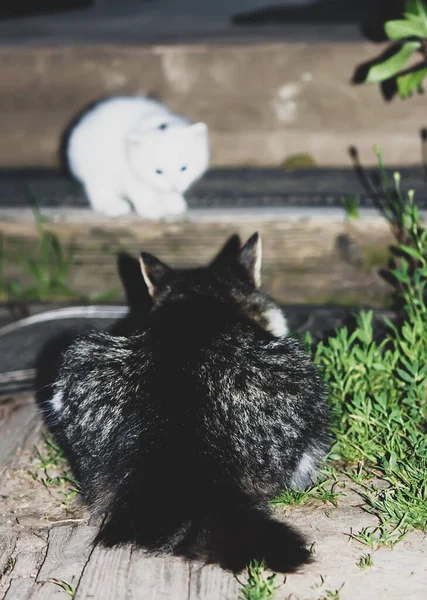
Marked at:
<point>309,256</point>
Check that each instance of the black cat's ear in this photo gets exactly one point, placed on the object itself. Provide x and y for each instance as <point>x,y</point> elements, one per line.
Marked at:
<point>229,252</point>
<point>154,272</point>
<point>250,258</point>
<point>133,284</point>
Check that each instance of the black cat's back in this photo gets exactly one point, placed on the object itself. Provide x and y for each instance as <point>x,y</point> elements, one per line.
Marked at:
<point>182,432</point>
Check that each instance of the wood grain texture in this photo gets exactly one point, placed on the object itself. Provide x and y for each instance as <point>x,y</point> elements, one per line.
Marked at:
<point>7,545</point>
<point>303,261</point>
<point>15,430</point>
<point>105,576</point>
<point>29,553</point>
<point>161,578</point>
<point>29,589</point>
<point>28,556</point>
<point>67,553</point>
<point>212,583</point>
<point>8,540</point>
<point>21,589</point>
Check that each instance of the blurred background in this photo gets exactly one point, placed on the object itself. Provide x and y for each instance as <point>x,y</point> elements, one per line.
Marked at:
<point>286,88</point>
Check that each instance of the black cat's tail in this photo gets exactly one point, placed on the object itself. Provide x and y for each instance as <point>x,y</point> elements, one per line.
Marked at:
<point>234,535</point>
<point>229,534</point>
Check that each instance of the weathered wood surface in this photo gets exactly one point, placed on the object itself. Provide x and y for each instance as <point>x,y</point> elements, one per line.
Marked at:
<point>25,562</point>
<point>19,426</point>
<point>41,570</point>
<point>69,548</point>
<point>157,576</point>
<point>304,261</point>
<point>107,571</point>
<point>211,583</point>
<point>41,559</point>
<point>7,546</point>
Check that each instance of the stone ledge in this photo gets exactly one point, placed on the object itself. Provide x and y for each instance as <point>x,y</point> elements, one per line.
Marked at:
<point>305,260</point>
<point>262,102</point>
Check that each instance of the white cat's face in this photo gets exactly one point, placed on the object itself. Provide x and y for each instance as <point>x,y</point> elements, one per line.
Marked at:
<point>170,158</point>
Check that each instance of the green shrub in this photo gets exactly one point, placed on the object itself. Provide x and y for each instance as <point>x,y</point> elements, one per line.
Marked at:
<point>378,388</point>
<point>409,38</point>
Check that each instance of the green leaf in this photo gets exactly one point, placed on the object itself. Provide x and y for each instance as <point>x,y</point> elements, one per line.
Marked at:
<point>411,7</point>
<point>391,66</point>
<point>421,11</point>
<point>397,30</point>
<point>405,376</point>
<point>407,83</point>
<point>298,161</point>
<point>414,9</point>
<point>411,251</point>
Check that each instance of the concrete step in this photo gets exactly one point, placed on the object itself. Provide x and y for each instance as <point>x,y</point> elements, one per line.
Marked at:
<point>307,257</point>
<point>220,188</point>
<point>312,252</point>
<point>266,92</point>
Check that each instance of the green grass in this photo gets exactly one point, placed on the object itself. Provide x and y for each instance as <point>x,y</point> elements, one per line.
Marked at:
<point>332,594</point>
<point>328,490</point>
<point>48,268</point>
<point>8,567</point>
<point>378,388</point>
<point>351,205</point>
<point>51,469</point>
<point>259,585</point>
<point>67,587</point>
<point>365,561</point>
<point>378,397</point>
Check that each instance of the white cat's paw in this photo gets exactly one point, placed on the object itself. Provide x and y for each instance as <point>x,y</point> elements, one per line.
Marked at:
<point>175,205</point>
<point>106,202</point>
<point>152,212</point>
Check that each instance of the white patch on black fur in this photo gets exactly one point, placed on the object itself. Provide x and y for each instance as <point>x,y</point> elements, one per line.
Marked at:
<point>258,261</point>
<point>56,401</point>
<point>276,322</point>
<point>306,471</point>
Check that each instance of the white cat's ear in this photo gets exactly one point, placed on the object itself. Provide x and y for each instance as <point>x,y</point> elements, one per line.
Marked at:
<point>229,252</point>
<point>250,258</point>
<point>200,129</point>
<point>154,272</point>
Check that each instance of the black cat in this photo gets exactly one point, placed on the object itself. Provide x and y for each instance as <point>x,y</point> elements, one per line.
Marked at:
<point>182,432</point>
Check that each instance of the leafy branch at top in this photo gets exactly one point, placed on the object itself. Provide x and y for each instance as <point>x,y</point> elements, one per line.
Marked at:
<point>409,38</point>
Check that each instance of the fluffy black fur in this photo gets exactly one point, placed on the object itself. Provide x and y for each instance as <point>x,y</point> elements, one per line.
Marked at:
<point>182,432</point>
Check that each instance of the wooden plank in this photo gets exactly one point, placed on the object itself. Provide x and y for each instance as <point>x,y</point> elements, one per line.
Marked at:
<point>21,589</point>
<point>29,589</point>
<point>159,578</point>
<point>7,545</point>
<point>105,575</point>
<point>15,430</point>
<point>28,554</point>
<point>210,582</point>
<point>317,260</point>
<point>67,554</point>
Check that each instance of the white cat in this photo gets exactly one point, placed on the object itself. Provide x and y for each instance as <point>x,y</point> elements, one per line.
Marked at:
<point>133,152</point>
